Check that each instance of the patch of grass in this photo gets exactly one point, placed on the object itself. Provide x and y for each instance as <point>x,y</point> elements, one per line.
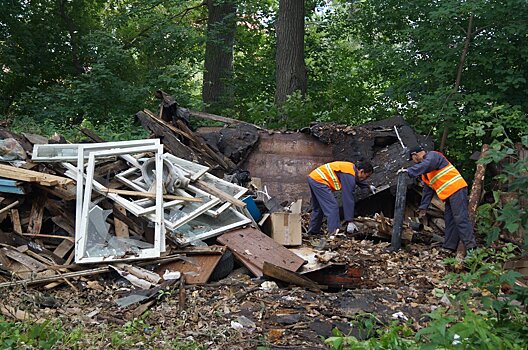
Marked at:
<point>53,334</point>
<point>30,335</point>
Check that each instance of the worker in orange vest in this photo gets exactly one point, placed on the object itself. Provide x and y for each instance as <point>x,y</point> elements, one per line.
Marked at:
<point>331,177</point>
<point>440,176</point>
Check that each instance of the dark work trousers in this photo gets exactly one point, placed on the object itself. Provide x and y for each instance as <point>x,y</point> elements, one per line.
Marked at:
<point>323,204</point>
<point>457,224</point>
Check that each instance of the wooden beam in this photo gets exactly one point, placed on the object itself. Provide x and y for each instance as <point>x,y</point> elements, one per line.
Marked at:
<point>220,194</point>
<point>290,277</point>
<point>43,179</point>
<point>6,208</point>
<point>37,213</point>
<point>63,248</point>
<point>148,195</point>
<point>15,219</point>
<point>121,229</point>
<point>218,118</point>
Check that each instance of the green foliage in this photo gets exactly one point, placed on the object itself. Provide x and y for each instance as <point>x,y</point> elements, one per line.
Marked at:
<point>508,214</point>
<point>482,317</point>
<point>395,336</point>
<point>46,335</point>
<point>53,334</point>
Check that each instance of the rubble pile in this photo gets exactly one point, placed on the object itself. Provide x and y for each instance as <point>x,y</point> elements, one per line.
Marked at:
<point>242,312</point>
<point>178,224</point>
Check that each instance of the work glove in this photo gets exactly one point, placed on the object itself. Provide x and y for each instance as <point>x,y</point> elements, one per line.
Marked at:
<point>402,170</point>
<point>351,227</point>
<point>373,189</point>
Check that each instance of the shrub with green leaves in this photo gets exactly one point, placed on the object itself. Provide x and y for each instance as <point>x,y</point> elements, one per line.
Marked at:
<point>509,215</point>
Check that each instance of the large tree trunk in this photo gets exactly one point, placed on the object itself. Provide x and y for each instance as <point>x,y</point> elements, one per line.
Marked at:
<point>290,67</point>
<point>221,26</point>
<point>74,40</point>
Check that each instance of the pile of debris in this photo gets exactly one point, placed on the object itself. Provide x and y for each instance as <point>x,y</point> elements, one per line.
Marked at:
<point>183,208</point>
<point>75,205</point>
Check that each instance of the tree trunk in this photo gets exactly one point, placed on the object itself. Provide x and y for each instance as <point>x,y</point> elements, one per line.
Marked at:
<point>218,70</point>
<point>74,40</point>
<point>458,79</point>
<point>476,189</point>
<point>290,67</point>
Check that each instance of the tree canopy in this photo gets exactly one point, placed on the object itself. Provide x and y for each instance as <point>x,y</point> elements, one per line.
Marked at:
<point>451,68</point>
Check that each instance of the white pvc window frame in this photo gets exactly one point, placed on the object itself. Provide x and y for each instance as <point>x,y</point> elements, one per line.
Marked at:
<point>187,237</point>
<point>200,207</point>
<point>157,219</point>
<point>194,170</point>
<point>41,152</point>
<point>229,188</point>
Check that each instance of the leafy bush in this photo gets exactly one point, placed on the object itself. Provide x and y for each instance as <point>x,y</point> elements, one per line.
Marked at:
<point>16,335</point>
<point>506,215</point>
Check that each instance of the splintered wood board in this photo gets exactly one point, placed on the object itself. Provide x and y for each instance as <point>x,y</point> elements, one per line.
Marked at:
<point>252,247</point>
<point>196,268</point>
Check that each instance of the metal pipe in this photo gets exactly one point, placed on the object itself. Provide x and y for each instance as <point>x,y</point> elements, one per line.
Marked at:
<point>399,209</point>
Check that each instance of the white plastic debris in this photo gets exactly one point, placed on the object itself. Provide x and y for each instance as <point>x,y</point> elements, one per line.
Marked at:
<point>268,286</point>
<point>171,275</point>
<point>399,316</point>
<point>243,323</point>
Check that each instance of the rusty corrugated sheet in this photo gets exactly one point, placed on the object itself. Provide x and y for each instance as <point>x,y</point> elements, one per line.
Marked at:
<point>282,162</point>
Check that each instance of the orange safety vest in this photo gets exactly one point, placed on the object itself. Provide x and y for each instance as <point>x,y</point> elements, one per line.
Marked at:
<point>445,181</point>
<point>326,173</point>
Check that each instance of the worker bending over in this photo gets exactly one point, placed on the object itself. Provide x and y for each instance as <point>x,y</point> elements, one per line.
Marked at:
<point>331,177</point>
<point>440,176</point>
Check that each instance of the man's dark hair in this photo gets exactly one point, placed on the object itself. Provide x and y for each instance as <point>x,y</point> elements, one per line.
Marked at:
<point>366,166</point>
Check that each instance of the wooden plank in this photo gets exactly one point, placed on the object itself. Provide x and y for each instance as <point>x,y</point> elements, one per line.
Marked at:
<point>4,261</point>
<point>135,224</point>
<point>15,219</point>
<point>63,248</point>
<point>37,213</point>
<point>204,186</point>
<point>218,118</point>
<point>196,268</point>
<point>33,264</point>
<point>41,235</point>
<point>290,277</point>
<point>254,269</point>
<point>170,140</point>
<point>45,279</point>
<point>7,207</point>
<point>121,229</point>
<point>44,179</point>
<point>254,246</point>
<point>148,195</point>
<point>10,239</point>
<point>66,192</point>
<point>65,223</point>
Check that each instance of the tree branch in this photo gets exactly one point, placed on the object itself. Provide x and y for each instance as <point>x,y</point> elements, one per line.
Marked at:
<point>149,28</point>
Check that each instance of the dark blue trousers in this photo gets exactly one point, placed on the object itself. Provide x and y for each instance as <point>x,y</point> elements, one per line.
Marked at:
<point>457,224</point>
<point>323,204</point>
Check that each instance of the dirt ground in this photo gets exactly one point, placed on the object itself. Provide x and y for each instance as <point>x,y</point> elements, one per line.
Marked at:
<point>240,312</point>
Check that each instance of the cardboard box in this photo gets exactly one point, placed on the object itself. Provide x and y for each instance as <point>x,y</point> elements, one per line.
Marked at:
<point>285,227</point>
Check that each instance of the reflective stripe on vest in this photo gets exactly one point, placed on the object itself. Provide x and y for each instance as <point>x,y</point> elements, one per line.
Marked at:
<point>445,181</point>
<point>326,173</point>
